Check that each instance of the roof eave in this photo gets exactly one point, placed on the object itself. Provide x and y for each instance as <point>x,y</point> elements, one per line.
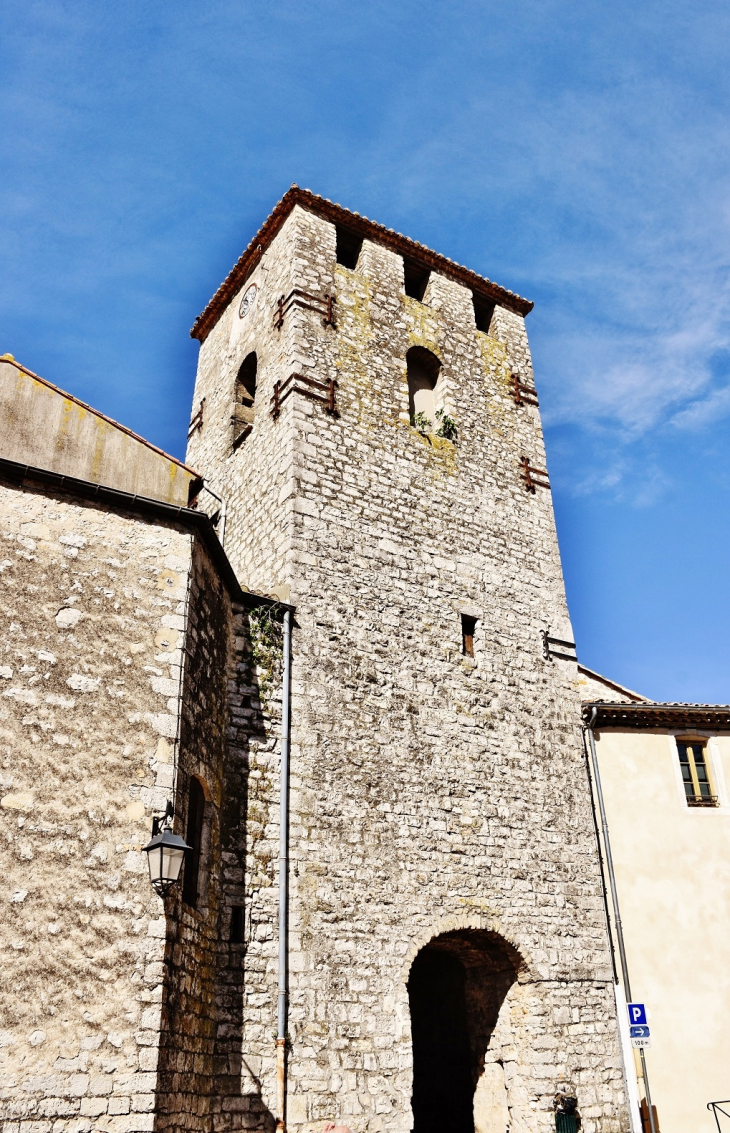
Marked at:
<point>665,716</point>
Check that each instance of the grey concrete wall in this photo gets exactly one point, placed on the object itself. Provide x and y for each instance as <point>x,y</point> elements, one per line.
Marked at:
<point>43,427</point>
<point>432,794</point>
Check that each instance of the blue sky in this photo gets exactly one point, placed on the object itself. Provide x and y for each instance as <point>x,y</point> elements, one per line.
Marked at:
<point>575,152</point>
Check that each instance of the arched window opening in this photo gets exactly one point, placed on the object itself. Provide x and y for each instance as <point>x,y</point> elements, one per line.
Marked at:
<point>483,311</point>
<point>245,397</point>
<point>348,247</point>
<point>415,279</point>
<point>423,374</point>
<point>194,839</point>
<point>456,989</point>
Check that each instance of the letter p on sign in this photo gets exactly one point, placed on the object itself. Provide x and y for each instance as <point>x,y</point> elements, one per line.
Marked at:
<point>637,1014</point>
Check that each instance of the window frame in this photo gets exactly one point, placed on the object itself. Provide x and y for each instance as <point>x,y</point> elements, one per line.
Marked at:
<point>697,799</point>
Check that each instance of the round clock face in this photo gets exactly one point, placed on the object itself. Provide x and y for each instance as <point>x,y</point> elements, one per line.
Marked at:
<point>248,301</point>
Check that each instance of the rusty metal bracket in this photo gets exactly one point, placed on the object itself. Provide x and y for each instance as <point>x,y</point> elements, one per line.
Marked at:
<point>533,477</point>
<point>324,306</point>
<point>197,421</point>
<point>293,385</point>
<point>716,1107</point>
<point>523,394</point>
<point>549,652</point>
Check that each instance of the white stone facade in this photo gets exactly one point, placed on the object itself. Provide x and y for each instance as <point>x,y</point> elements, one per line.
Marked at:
<point>439,801</point>
<point>91,605</point>
<point>119,680</point>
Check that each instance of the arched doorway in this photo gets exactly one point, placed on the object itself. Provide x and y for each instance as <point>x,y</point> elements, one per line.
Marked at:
<point>456,988</point>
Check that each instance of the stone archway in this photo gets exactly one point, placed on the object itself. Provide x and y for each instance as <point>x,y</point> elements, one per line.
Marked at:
<point>456,988</point>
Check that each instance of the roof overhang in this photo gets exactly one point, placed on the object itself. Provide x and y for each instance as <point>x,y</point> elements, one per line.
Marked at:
<point>370,230</point>
<point>633,717</point>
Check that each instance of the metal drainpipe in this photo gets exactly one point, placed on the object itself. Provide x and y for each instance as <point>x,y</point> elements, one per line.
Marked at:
<point>283,880</point>
<point>614,898</point>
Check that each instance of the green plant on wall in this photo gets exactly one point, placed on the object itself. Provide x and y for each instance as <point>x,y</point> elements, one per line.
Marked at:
<point>266,647</point>
<point>422,422</point>
<point>447,426</point>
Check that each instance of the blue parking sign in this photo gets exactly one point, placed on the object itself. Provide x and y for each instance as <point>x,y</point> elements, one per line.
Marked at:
<point>637,1014</point>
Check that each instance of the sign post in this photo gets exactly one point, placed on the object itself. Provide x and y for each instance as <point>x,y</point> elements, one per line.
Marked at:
<point>640,1037</point>
<point>638,1026</point>
<point>637,1014</point>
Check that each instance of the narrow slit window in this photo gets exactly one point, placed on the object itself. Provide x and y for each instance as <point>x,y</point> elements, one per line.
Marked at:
<point>695,776</point>
<point>194,839</point>
<point>349,245</point>
<point>415,279</point>
<point>236,935</point>
<point>483,311</point>
<point>468,629</point>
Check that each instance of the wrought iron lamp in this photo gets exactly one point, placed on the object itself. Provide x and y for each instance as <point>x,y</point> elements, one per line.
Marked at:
<point>165,853</point>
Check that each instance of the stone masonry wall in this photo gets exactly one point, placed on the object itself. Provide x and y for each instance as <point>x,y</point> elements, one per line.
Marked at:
<point>258,536</point>
<point>248,966</point>
<point>91,609</point>
<point>120,1012</point>
<point>227,735</point>
<point>186,1078</point>
<point>432,793</point>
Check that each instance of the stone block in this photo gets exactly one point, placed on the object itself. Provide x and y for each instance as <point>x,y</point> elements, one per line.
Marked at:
<point>93,1107</point>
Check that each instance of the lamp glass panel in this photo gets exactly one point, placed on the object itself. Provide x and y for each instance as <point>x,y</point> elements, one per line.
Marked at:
<point>153,861</point>
<point>172,859</point>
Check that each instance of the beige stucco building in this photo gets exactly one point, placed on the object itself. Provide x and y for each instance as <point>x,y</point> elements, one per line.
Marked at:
<point>665,777</point>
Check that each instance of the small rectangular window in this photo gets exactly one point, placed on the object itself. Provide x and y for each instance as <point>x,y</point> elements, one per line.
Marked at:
<point>483,311</point>
<point>237,924</point>
<point>415,279</point>
<point>695,776</point>
<point>348,247</point>
<point>468,628</point>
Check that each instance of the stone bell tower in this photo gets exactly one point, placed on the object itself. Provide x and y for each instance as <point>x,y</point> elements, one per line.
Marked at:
<point>367,411</point>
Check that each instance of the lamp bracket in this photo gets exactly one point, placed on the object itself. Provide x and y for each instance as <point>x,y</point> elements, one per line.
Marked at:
<point>165,820</point>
